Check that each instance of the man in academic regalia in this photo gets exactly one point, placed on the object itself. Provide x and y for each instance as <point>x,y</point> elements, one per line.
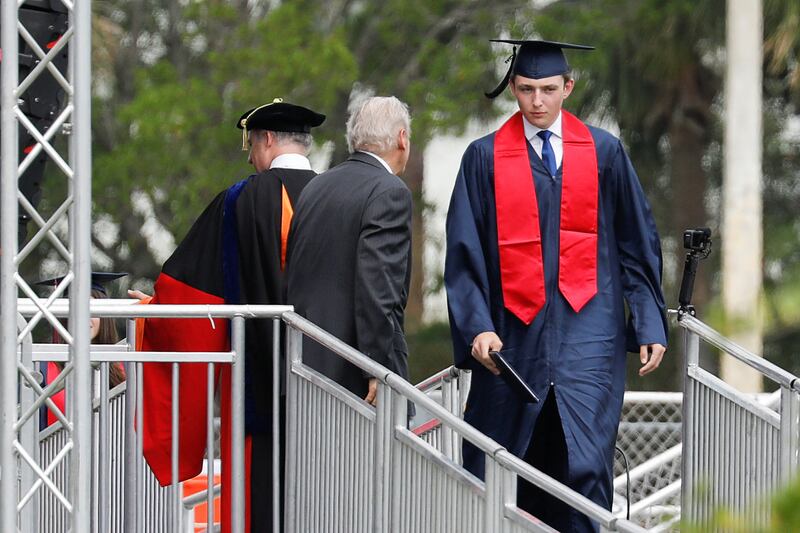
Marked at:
<point>350,251</point>
<point>234,253</point>
<point>548,236</point>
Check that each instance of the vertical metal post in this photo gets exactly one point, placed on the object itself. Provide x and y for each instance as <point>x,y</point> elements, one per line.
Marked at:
<point>131,473</point>
<point>399,419</point>
<point>294,355</point>
<point>103,469</point>
<point>447,403</point>
<point>8,243</point>
<point>237,423</point>
<point>175,450</point>
<point>276,426</point>
<point>383,463</point>
<point>138,451</point>
<point>210,447</point>
<point>81,149</point>
<point>789,443</point>
<point>29,435</point>
<point>691,343</point>
<point>494,495</point>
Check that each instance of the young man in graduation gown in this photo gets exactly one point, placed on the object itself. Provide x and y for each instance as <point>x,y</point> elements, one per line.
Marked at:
<point>234,253</point>
<point>549,235</point>
<point>350,250</point>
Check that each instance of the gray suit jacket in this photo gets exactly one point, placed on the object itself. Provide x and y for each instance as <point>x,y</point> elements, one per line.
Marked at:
<point>349,265</point>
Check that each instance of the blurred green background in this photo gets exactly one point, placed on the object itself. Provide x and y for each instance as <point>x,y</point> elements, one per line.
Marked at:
<point>171,78</point>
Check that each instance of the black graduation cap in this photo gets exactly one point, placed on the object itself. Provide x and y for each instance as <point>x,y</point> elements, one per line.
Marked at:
<point>99,279</point>
<point>278,116</point>
<point>536,59</point>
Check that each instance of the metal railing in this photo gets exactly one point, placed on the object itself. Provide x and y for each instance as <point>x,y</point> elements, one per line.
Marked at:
<point>351,467</point>
<point>354,467</point>
<point>142,506</point>
<point>736,450</point>
<point>108,499</point>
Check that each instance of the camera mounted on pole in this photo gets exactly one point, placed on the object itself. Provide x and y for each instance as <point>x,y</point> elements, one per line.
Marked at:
<point>697,243</point>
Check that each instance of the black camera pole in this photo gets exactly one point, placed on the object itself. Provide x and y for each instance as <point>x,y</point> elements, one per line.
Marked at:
<point>698,243</point>
<point>687,283</point>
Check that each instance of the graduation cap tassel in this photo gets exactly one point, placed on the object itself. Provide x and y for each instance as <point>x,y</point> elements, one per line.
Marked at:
<point>503,84</point>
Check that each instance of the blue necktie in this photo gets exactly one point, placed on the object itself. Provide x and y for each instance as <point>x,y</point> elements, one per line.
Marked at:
<point>548,156</point>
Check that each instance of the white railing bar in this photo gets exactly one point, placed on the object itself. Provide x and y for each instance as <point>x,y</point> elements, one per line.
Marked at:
<point>100,355</point>
<point>193,500</point>
<point>666,525</point>
<point>128,308</point>
<point>436,379</point>
<point>659,496</point>
<point>41,348</point>
<point>742,400</point>
<point>769,370</point>
<point>653,397</point>
<point>649,466</point>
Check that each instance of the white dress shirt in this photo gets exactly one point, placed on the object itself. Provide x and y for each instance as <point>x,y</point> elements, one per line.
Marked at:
<point>293,161</point>
<point>556,141</point>
<point>380,160</point>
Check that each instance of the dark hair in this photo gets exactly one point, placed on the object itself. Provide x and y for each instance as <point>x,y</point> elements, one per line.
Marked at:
<point>567,76</point>
<point>107,334</point>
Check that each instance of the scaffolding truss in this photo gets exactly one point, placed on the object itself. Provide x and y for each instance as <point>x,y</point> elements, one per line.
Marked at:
<point>66,143</point>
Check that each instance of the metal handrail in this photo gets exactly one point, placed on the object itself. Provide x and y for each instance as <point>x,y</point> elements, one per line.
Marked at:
<point>478,439</point>
<point>450,372</point>
<point>193,500</point>
<point>126,308</point>
<point>714,338</point>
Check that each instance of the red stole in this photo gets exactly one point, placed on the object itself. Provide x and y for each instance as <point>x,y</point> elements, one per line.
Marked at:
<point>517,210</point>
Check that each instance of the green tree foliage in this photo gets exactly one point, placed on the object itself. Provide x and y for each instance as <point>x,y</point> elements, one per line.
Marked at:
<point>172,77</point>
<point>184,74</point>
<point>175,140</point>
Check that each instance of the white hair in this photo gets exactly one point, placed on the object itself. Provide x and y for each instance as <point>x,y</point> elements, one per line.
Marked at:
<point>375,122</point>
<point>285,137</point>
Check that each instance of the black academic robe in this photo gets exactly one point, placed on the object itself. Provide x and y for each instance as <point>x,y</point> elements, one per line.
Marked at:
<point>232,254</point>
<point>349,265</point>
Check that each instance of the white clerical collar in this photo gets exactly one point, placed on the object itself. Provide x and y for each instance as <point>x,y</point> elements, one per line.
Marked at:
<point>531,130</point>
<point>380,160</point>
<point>292,161</point>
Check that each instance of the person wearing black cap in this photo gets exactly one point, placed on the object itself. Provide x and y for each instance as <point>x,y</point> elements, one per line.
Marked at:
<point>103,331</point>
<point>234,253</point>
<point>549,236</point>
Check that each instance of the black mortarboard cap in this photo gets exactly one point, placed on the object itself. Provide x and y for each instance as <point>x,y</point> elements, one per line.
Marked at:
<point>278,116</point>
<point>99,279</point>
<point>535,59</point>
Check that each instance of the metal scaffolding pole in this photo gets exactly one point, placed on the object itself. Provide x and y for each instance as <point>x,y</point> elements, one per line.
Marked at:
<point>80,228</point>
<point>19,458</point>
<point>8,289</point>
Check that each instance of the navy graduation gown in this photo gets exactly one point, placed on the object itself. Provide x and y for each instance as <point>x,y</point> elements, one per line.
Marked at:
<point>580,355</point>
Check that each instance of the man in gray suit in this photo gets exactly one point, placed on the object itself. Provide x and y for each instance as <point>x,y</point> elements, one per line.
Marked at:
<point>349,257</point>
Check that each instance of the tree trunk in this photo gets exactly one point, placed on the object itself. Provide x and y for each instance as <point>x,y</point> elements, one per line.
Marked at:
<point>413,178</point>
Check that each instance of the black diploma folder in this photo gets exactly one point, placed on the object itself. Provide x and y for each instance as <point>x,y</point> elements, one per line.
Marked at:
<point>513,379</point>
